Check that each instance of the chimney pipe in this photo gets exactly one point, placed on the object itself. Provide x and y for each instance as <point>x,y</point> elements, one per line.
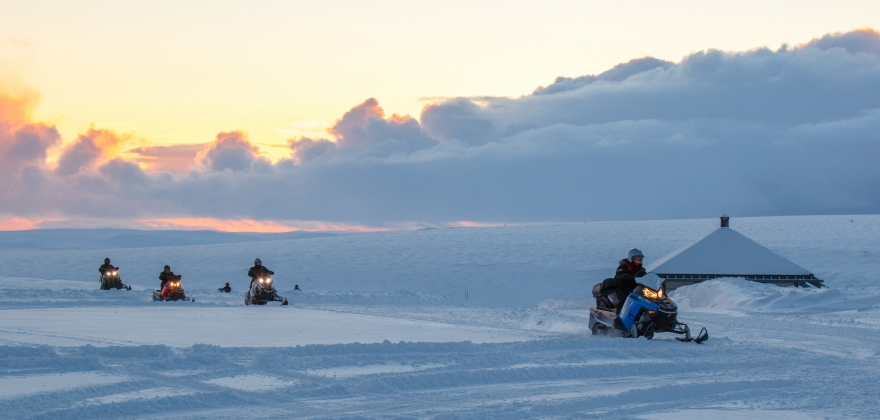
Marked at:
<point>725,221</point>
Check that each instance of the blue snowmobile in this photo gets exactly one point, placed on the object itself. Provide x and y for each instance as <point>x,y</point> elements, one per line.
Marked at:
<point>647,310</point>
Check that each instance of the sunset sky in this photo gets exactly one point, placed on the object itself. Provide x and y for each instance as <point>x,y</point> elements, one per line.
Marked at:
<point>353,115</point>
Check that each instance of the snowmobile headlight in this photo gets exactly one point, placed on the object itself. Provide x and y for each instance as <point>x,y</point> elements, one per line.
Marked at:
<point>269,280</point>
<point>261,280</point>
<point>651,294</point>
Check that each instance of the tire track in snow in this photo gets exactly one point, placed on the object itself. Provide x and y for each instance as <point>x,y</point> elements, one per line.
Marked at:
<point>544,378</point>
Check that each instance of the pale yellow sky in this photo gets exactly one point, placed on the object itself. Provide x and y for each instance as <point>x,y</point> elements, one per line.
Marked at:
<point>182,71</point>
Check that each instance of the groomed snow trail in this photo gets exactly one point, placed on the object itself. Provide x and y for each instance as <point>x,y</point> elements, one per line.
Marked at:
<point>565,377</point>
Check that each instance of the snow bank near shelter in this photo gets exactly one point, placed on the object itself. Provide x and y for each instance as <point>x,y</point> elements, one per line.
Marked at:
<point>734,294</point>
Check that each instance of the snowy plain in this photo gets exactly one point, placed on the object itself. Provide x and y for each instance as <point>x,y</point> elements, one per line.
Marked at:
<point>382,329</point>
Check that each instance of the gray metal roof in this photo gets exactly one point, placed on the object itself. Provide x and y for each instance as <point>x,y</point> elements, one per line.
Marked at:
<point>726,252</point>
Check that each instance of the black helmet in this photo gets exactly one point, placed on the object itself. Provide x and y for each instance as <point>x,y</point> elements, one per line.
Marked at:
<point>106,260</point>
<point>258,262</point>
<point>167,268</point>
<point>634,253</point>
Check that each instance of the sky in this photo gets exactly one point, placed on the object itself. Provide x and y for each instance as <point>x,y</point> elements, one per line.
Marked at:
<point>345,115</point>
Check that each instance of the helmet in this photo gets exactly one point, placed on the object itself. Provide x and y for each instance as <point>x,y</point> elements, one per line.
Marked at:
<point>106,260</point>
<point>167,268</point>
<point>258,262</point>
<point>634,253</point>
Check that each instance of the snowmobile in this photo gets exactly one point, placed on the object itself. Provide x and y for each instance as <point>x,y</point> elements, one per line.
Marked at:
<point>110,280</point>
<point>262,292</point>
<point>647,310</point>
<point>174,294</point>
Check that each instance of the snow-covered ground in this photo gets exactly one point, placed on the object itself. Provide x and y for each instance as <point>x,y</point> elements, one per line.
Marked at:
<point>382,328</point>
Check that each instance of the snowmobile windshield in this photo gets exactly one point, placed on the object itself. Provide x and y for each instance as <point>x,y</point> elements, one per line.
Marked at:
<point>650,280</point>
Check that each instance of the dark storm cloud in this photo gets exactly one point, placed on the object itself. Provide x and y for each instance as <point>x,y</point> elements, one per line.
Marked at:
<point>761,132</point>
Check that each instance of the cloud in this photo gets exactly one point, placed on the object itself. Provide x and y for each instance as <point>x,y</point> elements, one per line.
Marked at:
<point>27,145</point>
<point>15,109</point>
<point>22,143</point>
<point>175,158</point>
<point>364,130</point>
<point>760,132</point>
<point>866,41</point>
<point>230,151</point>
<point>306,149</point>
<point>89,149</point>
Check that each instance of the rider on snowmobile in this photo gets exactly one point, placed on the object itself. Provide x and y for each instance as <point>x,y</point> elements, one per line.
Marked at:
<point>628,270</point>
<point>257,271</point>
<point>166,276</point>
<point>107,267</point>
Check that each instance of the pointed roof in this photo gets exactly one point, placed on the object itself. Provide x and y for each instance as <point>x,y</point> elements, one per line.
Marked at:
<point>726,252</point>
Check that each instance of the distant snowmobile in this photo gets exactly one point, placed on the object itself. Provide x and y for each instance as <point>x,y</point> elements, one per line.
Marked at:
<point>647,310</point>
<point>262,292</point>
<point>110,280</point>
<point>175,291</point>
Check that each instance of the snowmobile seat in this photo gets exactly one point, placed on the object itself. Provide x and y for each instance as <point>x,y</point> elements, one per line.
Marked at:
<point>597,290</point>
<point>605,293</point>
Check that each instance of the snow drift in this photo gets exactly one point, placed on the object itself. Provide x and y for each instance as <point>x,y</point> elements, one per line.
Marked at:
<point>734,294</point>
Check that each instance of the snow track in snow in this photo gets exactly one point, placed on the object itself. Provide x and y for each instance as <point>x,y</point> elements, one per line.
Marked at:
<point>559,377</point>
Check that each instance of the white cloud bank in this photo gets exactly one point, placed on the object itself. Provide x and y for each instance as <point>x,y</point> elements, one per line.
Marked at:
<point>762,132</point>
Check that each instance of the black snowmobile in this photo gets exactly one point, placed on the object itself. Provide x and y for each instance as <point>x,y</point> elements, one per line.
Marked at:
<point>647,310</point>
<point>110,280</point>
<point>174,294</point>
<point>262,292</point>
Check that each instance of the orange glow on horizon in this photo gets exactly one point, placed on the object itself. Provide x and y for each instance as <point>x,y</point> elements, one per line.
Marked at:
<point>221,225</point>
<point>250,225</point>
<point>470,224</point>
<point>17,223</point>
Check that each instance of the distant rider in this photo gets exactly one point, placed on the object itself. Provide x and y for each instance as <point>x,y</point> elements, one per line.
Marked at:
<point>107,267</point>
<point>166,277</point>
<point>628,270</point>
<point>225,289</point>
<point>258,271</point>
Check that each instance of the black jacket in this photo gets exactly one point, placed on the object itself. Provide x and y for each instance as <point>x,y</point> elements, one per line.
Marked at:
<point>106,267</point>
<point>626,268</point>
<point>259,271</point>
<point>166,277</point>
<point>625,280</point>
